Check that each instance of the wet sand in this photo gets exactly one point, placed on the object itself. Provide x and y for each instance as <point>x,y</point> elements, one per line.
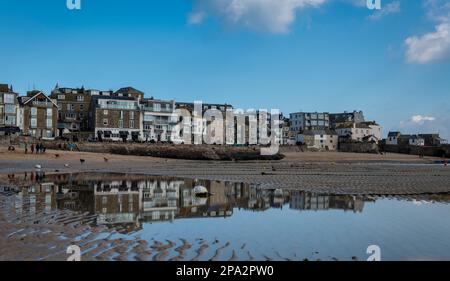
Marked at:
<point>46,236</point>
<point>324,172</point>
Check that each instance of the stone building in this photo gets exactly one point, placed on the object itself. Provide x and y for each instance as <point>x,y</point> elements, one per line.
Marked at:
<point>40,115</point>
<point>345,117</point>
<point>10,117</point>
<point>432,139</point>
<point>116,118</point>
<point>324,139</point>
<point>129,92</point>
<point>73,109</point>
<point>412,140</point>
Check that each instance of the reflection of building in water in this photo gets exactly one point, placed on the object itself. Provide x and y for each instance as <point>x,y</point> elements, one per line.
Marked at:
<point>35,198</point>
<point>117,202</point>
<point>128,201</point>
<point>310,201</point>
<point>77,197</point>
<point>218,205</point>
<point>159,199</point>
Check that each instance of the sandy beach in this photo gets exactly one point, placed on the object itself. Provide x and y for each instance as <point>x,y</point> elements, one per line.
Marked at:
<point>324,172</point>
<point>46,235</point>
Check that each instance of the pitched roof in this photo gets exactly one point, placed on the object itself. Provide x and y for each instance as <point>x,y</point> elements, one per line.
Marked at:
<point>129,90</point>
<point>32,95</point>
<point>410,137</point>
<point>394,134</point>
<point>4,88</point>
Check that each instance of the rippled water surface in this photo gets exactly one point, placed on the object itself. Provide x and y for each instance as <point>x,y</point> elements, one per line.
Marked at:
<point>243,222</point>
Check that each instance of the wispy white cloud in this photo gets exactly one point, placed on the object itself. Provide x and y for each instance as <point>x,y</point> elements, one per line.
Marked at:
<point>388,9</point>
<point>426,124</point>
<point>419,119</point>
<point>274,16</point>
<point>433,46</point>
<point>196,17</point>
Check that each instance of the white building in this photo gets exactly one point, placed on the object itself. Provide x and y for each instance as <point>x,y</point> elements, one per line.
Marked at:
<point>416,140</point>
<point>393,138</point>
<point>359,132</point>
<point>157,120</point>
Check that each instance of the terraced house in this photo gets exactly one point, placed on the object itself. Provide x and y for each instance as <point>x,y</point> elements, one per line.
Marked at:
<point>73,109</point>
<point>200,126</point>
<point>116,118</point>
<point>40,115</point>
<point>157,120</point>
<point>9,111</point>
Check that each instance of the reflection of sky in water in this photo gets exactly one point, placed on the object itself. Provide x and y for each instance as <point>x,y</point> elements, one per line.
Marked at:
<point>402,229</point>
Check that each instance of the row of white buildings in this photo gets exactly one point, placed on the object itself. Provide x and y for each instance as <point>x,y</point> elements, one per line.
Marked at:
<point>324,131</point>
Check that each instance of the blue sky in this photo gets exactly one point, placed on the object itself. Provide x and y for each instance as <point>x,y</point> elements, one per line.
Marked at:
<point>311,55</point>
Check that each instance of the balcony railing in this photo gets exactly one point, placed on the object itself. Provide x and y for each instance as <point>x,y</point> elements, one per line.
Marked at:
<point>42,104</point>
<point>152,109</point>
<point>119,106</point>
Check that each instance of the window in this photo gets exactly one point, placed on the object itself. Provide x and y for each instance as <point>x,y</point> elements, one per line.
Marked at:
<point>167,107</point>
<point>131,114</point>
<point>10,120</point>
<point>105,122</point>
<point>33,122</point>
<point>61,97</point>
<point>49,134</point>
<point>33,111</point>
<point>104,200</point>
<point>10,108</point>
<point>157,107</point>
<point>81,107</point>
<point>121,114</point>
<point>70,115</point>
<point>49,112</point>
<point>8,98</point>
<point>105,112</point>
<point>49,123</point>
<point>131,124</point>
<point>120,123</point>
<point>80,98</point>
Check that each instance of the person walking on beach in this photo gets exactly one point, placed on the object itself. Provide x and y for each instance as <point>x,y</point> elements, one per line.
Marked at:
<point>26,148</point>
<point>32,148</point>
